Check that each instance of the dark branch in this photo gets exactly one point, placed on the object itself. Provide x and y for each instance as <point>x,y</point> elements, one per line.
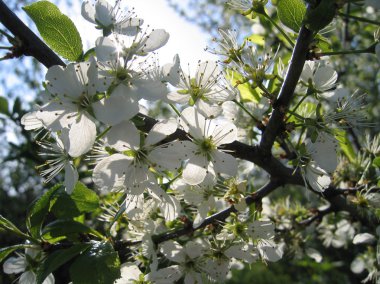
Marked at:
<point>31,45</point>
<point>285,96</point>
<point>220,216</point>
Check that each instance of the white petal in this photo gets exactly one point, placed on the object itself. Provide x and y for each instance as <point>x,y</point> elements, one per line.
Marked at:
<point>109,172</point>
<point>261,229</point>
<point>30,121</point>
<point>129,27</point>
<point>316,177</point>
<point>314,254</point>
<point>307,72</point>
<point>224,163</point>
<point>49,279</point>
<point>195,170</point>
<point>166,275</point>
<point>358,265</point>
<point>69,82</point>
<point>175,97</point>
<point>207,72</point>
<point>129,273</point>
<point>224,133</point>
<point>27,277</point>
<point>171,71</point>
<point>155,40</point>
<point>270,251</point>
<point>116,108</point>
<point>106,49</point>
<point>71,177</point>
<point>207,109</point>
<point>324,152</point>
<point>194,249</point>
<point>160,131</point>
<point>169,205</point>
<point>104,13</point>
<point>56,116</point>
<point>364,238</point>
<point>123,136</point>
<point>194,123</point>
<point>243,252</point>
<point>173,251</point>
<point>88,11</point>
<point>325,78</point>
<point>81,136</point>
<point>14,265</point>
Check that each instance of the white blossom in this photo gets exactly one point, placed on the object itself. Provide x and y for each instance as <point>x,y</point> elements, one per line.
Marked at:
<point>111,18</point>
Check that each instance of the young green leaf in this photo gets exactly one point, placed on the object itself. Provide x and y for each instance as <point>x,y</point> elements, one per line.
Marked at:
<point>81,200</point>
<point>4,108</point>
<point>98,265</point>
<point>57,259</point>
<point>4,252</point>
<point>10,227</point>
<point>39,210</point>
<point>67,229</point>
<point>58,31</point>
<point>291,13</point>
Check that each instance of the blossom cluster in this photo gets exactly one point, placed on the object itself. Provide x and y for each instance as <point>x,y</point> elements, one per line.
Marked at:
<point>92,111</point>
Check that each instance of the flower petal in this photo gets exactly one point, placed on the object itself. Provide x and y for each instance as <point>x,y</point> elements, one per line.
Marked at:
<point>71,177</point>
<point>81,136</point>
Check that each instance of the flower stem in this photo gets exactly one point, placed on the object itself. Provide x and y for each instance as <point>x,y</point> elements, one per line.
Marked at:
<point>359,19</point>
<point>175,109</point>
<point>370,49</point>
<point>293,111</point>
<point>281,30</point>
<point>245,110</point>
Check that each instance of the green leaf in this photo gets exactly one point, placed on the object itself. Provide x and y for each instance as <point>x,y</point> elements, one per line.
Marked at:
<point>256,39</point>
<point>98,265</point>
<point>67,229</point>
<point>39,210</point>
<point>10,227</point>
<point>320,16</point>
<point>4,252</point>
<point>58,31</point>
<point>81,200</point>
<point>4,107</point>
<point>57,259</point>
<point>376,162</point>
<point>291,13</point>
<point>345,144</point>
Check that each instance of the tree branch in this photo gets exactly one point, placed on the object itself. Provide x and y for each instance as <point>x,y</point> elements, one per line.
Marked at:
<point>220,216</point>
<point>31,45</point>
<point>285,96</point>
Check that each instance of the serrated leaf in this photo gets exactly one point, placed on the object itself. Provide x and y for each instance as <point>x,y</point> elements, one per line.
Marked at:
<point>58,31</point>
<point>57,259</point>
<point>98,265</point>
<point>67,229</point>
<point>81,200</point>
<point>4,252</point>
<point>291,13</point>
<point>39,210</point>
<point>4,107</point>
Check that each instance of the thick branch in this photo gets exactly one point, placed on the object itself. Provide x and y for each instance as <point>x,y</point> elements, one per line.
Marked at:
<point>32,45</point>
<point>287,90</point>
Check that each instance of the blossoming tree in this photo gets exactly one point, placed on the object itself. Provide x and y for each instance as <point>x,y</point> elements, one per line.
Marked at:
<point>142,195</point>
